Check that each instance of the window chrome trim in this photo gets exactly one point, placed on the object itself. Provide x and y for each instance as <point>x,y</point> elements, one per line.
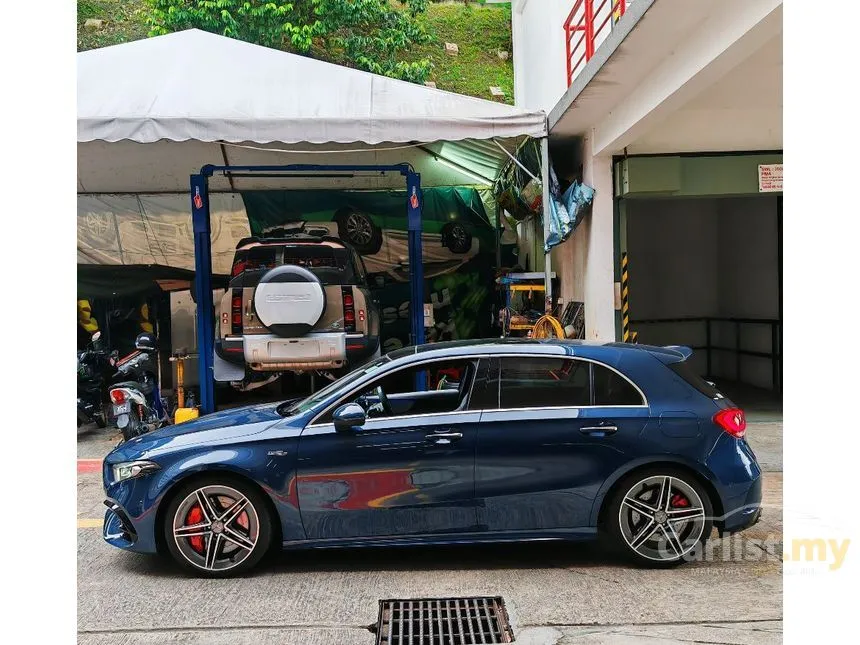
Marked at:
<point>567,407</point>
<point>437,359</point>
<point>573,358</point>
<point>431,416</point>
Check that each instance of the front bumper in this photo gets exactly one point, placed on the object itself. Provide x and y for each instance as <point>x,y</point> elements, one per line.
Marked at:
<point>118,529</point>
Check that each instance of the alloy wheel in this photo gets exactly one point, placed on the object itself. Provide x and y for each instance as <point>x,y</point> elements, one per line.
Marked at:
<point>662,518</point>
<point>216,528</point>
<point>359,228</point>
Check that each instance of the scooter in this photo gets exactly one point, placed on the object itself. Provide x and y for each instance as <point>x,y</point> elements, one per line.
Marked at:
<point>137,404</point>
<point>94,368</point>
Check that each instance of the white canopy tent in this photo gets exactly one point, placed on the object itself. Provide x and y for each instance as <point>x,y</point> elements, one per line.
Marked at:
<point>153,112</point>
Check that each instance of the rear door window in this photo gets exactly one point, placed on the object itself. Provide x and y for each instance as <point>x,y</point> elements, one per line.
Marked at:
<point>536,382</point>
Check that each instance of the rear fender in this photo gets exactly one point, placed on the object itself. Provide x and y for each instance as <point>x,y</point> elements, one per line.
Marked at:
<point>643,462</point>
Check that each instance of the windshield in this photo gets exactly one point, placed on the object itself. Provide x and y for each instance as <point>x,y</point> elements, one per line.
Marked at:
<point>306,404</point>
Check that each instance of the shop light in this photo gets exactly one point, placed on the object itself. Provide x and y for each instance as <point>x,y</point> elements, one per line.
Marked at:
<point>468,173</point>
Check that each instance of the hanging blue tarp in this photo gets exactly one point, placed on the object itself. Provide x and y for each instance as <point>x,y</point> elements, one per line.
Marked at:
<point>566,210</point>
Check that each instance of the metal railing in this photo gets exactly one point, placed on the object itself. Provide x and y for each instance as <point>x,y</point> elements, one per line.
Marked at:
<point>589,22</point>
<point>775,353</point>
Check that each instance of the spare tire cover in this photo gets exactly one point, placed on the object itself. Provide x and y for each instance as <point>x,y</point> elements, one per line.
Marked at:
<point>289,300</point>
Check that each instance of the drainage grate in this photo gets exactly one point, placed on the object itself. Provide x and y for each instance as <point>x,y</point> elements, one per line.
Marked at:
<point>443,621</point>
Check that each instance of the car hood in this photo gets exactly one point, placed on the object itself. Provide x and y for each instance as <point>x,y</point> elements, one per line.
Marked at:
<point>214,428</point>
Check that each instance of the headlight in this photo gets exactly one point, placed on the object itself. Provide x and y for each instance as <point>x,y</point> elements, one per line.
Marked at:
<point>132,469</point>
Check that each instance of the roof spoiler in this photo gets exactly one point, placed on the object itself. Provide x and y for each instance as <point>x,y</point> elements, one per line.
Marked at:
<point>683,350</point>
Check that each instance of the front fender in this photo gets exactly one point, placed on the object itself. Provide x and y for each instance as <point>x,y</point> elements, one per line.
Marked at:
<point>142,499</point>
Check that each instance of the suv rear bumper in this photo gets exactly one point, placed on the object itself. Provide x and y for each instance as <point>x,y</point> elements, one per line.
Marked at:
<point>269,353</point>
<point>314,351</point>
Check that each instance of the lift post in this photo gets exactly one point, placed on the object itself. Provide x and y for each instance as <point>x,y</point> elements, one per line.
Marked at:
<point>203,255</point>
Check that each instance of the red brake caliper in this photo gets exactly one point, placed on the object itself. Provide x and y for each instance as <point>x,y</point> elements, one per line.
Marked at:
<point>679,501</point>
<point>195,516</point>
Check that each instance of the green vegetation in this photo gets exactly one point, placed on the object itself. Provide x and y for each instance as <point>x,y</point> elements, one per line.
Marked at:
<point>479,30</point>
<point>125,21</point>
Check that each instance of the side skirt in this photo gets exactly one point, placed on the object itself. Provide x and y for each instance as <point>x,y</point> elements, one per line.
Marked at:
<point>452,538</point>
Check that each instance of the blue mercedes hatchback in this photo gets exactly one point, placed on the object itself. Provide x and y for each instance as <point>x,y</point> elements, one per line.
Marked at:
<point>479,441</point>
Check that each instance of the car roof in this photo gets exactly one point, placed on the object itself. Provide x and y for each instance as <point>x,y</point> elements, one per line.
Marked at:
<point>549,346</point>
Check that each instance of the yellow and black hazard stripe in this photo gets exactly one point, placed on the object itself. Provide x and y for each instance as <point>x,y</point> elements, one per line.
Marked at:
<point>625,300</point>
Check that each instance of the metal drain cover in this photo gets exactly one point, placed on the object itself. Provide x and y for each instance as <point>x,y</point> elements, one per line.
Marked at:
<point>443,621</point>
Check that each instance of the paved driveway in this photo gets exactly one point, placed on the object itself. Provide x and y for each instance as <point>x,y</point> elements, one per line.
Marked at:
<point>555,593</point>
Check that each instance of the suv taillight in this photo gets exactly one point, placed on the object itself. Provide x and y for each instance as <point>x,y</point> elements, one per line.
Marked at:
<point>732,420</point>
<point>236,312</point>
<point>348,309</point>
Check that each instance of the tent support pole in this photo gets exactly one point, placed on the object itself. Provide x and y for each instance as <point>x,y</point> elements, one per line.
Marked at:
<point>544,166</point>
<point>203,290</point>
<point>416,265</point>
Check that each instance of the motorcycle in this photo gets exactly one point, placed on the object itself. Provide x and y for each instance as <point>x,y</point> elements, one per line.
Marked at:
<point>94,369</point>
<point>137,404</point>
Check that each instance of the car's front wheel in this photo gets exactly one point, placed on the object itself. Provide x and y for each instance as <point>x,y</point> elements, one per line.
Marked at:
<point>659,517</point>
<point>218,527</point>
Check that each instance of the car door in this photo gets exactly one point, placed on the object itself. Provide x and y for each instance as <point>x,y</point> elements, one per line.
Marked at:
<point>543,454</point>
<point>406,473</point>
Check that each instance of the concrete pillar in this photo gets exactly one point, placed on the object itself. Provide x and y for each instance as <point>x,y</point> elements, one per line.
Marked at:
<point>594,250</point>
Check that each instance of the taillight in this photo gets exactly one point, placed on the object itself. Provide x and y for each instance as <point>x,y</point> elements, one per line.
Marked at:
<point>238,268</point>
<point>236,311</point>
<point>732,420</point>
<point>117,396</point>
<point>348,309</point>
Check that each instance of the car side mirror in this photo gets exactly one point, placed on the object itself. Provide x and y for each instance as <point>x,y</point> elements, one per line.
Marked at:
<point>348,417</point>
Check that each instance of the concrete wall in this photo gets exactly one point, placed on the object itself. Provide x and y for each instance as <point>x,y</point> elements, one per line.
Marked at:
<point>706,257</point>
<point>540,68</point>
<point>585,262</point>
<point>539,52</point>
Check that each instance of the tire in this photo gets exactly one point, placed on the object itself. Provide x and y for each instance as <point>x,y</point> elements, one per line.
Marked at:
<point>643,536</point>
<point>224,557</point>
<point>289,300</point>
<point>358,230</point>
<point>132,429</point>
<point>456,238</point>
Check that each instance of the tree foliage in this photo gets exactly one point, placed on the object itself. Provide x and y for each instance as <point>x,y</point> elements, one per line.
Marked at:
<point>368,34</point>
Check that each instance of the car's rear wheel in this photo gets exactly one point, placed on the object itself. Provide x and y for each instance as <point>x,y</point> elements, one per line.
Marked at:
<point>659,517</point>
<point>358,229</point>
<point>218,527</point>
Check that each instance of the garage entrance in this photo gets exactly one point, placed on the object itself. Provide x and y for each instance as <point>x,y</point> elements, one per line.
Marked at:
<point>704,265</point>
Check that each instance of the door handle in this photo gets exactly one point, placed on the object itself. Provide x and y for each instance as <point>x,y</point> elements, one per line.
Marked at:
<point>599,430</point>
<point>443,438</point>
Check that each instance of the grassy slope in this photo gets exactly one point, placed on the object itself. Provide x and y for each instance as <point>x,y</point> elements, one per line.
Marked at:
<point>123,22</point>
<point>479,31</point>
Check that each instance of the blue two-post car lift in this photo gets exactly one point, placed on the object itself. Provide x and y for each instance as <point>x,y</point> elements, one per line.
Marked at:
<point>203,254</point>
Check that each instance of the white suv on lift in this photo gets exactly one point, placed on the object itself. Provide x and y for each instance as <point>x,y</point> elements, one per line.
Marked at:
<point>296,302</point>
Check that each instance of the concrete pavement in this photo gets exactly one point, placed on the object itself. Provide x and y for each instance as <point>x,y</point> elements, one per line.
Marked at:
<point>555,593</point>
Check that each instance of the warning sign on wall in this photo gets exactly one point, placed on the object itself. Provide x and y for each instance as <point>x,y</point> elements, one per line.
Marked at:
<point>770,178</point>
